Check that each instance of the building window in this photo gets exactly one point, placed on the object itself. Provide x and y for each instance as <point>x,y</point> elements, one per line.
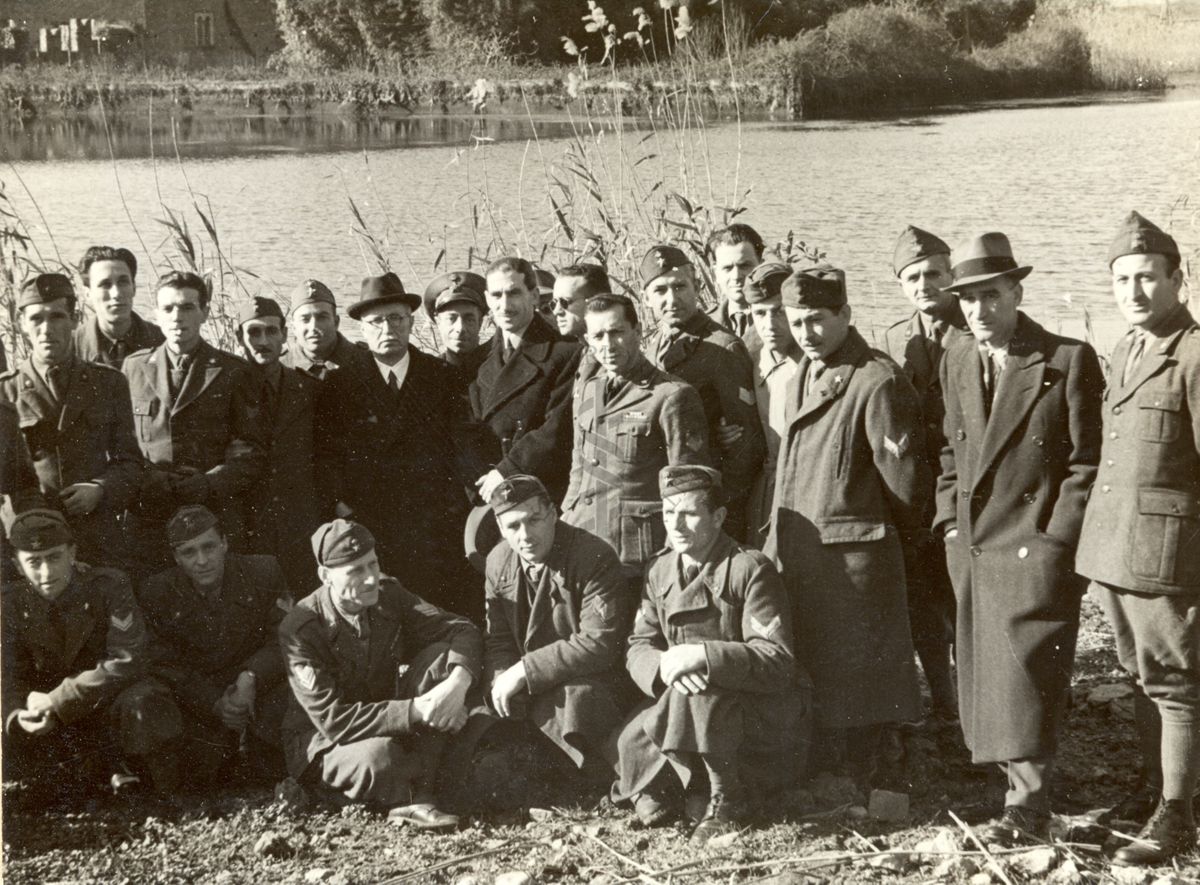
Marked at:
<point>204,30</point>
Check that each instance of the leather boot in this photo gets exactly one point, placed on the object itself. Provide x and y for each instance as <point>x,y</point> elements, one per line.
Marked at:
<point>725,814</point>
<point>1170,831</point>
<point>1017,826</point>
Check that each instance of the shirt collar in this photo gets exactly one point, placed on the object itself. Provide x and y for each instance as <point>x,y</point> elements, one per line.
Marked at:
<point>400,370</point>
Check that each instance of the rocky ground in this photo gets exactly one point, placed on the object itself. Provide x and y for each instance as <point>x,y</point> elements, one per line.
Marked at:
<point>567,832</point>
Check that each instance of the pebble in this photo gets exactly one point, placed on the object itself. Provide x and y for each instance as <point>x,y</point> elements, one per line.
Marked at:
<point>223,877</point>
<point>1170,880</point>
<point>944,842</point>
<point>1131,875</point>
<point>896,863</point>
<point>981,878</point>
<point>319,874</point>
<point>724,841</point>
<point>1036,862</point>
<point>467,880</point>
<point>1067,874</point>
<point>956,868</point>
<point>889,806</point>
<point>857,812</point>
<point>516,877</point>
<point>541,814</point>
<point>272,844</point>
<point>1106,694</point>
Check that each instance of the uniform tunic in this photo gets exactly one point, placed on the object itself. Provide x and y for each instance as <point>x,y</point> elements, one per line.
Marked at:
<point>345,353</point>
<point>757,702</point>
<point>771,378</point>
<point>652,421</point>
<point>1014,487</point>
<point>568,630</point>
<point>93,346</point>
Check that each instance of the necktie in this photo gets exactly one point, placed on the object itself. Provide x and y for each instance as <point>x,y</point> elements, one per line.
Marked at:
<point>56,378</point>
<point>739,323</point>
<point>664,345</point>
<point>178,375</point>
<point>508,350</point>
<point>690,573</point>
<point>318,370</point>
<point>393,384</point>
<point>1134,359</point>
<point>612,388</point>
<point>815,371</point>
<point>991,380</point>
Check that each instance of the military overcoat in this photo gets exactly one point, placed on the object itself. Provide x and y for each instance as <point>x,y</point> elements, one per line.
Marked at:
<point>1014,489</point>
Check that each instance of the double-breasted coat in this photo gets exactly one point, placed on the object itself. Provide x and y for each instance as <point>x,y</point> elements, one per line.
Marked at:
<point>757,703</point>
<point>1141,531</point>
<point>88,437</point>
<point>568,630</point>
<point>1014,486</point>
<point>848,496</point>
<point>92,346</point>
<point>524,405</point>
<point>652,421</point>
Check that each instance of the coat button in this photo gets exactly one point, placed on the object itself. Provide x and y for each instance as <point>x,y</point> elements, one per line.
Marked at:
<point>1106,488</point>
<point>595,462</point>
<point>1109,462</point>
<point>1112,435</point>
<point>1029,497</point>
<point>588,500</point>
<point>964,494</point>
<point>1023,553</point>
<point>1116,410</point>
<point>960,435</point>
<point>975,551</point>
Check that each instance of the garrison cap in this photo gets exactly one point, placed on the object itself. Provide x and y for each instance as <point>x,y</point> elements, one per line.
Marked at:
<point>37,530</point>
<point>814,288</point>
<point>660,260</point>
<point>341,541</point>
<point>457,286</point>
<point>984,258</point>
<point>190,521</point>
<point>765,281</point>
<point>385,289</point>
<point>259,308</point>
<point>675,479</point>
<point>915,245</point>
<point>514,491</point>
<point>44,288</point>
<point>311,292</point>
<point>1139,235</point>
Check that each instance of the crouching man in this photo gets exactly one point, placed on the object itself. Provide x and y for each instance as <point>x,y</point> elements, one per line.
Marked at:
<point>74,659</point>
<point>379,678</point>
<point>712,647</point>
<point>558,609</point>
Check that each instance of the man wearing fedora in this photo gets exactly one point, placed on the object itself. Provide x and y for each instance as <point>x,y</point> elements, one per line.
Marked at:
<point>391,452</point>
<point>283,506</point>
<point>921,262</point>
<point>320,349</point>
<point>1022,430</point>
<point>456,304</point>
<point>1141,530</point>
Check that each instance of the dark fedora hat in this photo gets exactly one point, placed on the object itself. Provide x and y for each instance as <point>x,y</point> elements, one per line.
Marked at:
<point>386,289</point>
<point>984,258</point>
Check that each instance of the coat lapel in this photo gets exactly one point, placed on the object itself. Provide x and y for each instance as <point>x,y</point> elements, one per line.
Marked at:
<point>201,374</point>
<point>829,388</point>
<point>635,390</point>
<point>79,395</point>
<point>36,397</point>
<point>515,375</point>
<point>1160,352</point>
<point>78,621</point>
<point>970,395</point>
<point>1020,384</point>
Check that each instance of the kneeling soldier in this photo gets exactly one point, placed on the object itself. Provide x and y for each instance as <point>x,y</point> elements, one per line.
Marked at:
<point>74,659</point>
<point>712,647</point>
<point>557,612</point>
<point>214,617</point>
<point>379,678</point>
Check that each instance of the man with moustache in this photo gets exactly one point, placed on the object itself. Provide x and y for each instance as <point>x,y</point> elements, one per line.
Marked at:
<point>922,265</point>
<point>76,420</point>
<point>320,348</point>
<point>631,420</point>
<point>1022,432</point>
<point>573,286</point>
<point>379,681</point>
<point>456,304</point>
<point>198,419</point>
<point>522,392</point>
<point>1141,528</point>
<point>693,347</point>
<point>732,253</point>
<point>115,329</point>
<point>847,500</point>
<point>213,617</point>
<point>283,507</point>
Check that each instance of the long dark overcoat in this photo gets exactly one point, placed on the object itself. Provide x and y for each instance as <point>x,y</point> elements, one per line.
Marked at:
<point>1014,487</point>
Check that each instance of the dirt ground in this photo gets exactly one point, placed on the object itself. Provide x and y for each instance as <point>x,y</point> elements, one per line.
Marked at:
<point>566,831</point>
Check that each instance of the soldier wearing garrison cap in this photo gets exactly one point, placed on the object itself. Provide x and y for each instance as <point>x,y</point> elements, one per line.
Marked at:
<point>283,507</point>
<point>379,680</point>
<point>214,616</point>
<point>922,266</point>
<point>558,611</point>
<point>1138,542</point>
<point>77,422</point>
<point>74,694</point>
<point>847,499</point>
<point>690,345</point>
<point>712,651</point>
<point>457,305</point>
<point>320,348</point>
<point>115,329</point>
<point>1022,431</point>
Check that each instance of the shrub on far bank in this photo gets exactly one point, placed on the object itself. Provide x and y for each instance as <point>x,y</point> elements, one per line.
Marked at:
<point>1051,56</point>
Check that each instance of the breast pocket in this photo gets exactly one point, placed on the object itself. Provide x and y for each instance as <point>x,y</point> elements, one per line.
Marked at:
<point>1159,415</point>
<point>642,532</point>
<point>1167,527</point>
<point>144,412</point>
<point>634,441</point>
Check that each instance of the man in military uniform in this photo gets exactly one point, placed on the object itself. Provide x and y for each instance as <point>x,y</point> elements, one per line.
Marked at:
<point>573,286</point>
<point>198,419</point>
<point>558,611</point>
<point>214,618</point>
<point>74,663</point>
<point>379,680</point>
<point>522,392</point>
<point>320,348</point>
<point>712,649</point>
<point>1023,437</point>
<point>847,499</point>
<point>693,347</point>
<point>283,506</point>
<point>115,330</point>
<point>631,420</point>
<point>775,356</point>
<point>732,253</point>
<point>922,265</point>
<point>1141,527</point>
<point>457,305</point>
<point>77,422</point>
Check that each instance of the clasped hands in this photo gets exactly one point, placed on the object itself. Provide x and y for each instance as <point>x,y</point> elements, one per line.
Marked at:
<point>38,716</point>
<point>443,707</point>
<point>684,668</point>
<point>235,708</point>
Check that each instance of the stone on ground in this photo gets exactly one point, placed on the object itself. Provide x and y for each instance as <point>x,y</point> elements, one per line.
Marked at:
<point>956,868</point>
<point>1035,862</point>
<point>1105,694</point>
<point>896,863</point>
<point>515,877</point>
<point>941,844</point>
<point>1131,875</point>
<point>273,844</point>
<point>319,874</point>
<point>1068,873</point>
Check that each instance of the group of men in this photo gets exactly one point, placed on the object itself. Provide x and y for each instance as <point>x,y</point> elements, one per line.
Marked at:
<point>726,538</point>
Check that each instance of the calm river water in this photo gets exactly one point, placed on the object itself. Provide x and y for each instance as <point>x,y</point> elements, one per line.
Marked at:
<point>1056,178</point>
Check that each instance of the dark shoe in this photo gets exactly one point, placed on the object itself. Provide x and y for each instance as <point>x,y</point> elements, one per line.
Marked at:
<point>695,804</point>
<point>650,811</point>
<point>1170,831</point>
<point>1136,807</point>
<point>423,816</point>
<point>1016,826</point>
<point>723,815</point>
